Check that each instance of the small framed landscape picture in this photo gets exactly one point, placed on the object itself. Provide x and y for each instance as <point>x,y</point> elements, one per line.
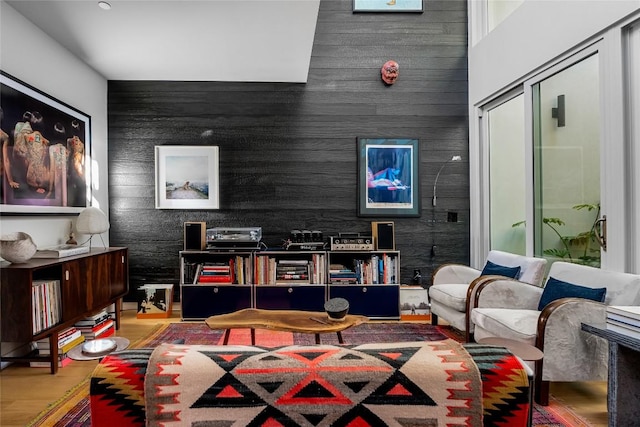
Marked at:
<point>187,177</point>
<point>415,6</point>
<point>388,181</point>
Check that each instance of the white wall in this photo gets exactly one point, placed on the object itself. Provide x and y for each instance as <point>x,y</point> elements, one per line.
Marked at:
<point>532,35</point>
<point>33,57</point>
<point>536,35</point>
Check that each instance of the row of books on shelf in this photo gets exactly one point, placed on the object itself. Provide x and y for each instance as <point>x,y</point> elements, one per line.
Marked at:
<point>235,270</point>
<point>376,270</point>
<point>273,271</point>
<point>100,325</point>
<point>45,298</point>
<point>624,320</point>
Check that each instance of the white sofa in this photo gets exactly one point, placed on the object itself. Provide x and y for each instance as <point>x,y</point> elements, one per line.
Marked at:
<point>510,309</point>
<point>448,293</point>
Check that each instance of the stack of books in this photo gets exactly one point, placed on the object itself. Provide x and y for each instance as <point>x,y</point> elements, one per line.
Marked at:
<point>99,325</point>
<point>61,251</point>
<point>215,273</point>
<point>67,339</point>
<point>293,271</point>
<point>341,275</point>
<point>624,320</point>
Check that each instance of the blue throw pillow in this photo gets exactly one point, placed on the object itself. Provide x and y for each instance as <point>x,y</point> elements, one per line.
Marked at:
<point>556,289</point>
<point>500,270</point>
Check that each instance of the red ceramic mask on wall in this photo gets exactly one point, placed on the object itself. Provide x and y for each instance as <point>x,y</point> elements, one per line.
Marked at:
<point>389,72</point>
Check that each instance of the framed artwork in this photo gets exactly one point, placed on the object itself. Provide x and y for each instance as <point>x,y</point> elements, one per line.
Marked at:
<point>46,152</point>
<point>187,177</point>
<point>388,181</point>
<point>415,6</point>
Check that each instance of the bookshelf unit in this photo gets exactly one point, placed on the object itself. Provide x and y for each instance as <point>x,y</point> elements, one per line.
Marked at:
<point>290,280</point>
<point>87,283</point>
<point>369,280</point>
<point>215,282</point>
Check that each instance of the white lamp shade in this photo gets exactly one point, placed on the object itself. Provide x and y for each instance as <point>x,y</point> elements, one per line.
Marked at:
<point>92,221</point>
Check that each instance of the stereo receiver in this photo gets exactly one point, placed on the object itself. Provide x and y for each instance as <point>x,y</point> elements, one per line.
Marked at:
<point>360,243</point>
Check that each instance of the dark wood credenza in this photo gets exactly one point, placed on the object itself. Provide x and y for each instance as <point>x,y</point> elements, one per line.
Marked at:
<point>88,283</point>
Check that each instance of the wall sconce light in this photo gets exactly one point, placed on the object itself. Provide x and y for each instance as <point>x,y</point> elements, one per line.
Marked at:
<point>92,221</point>
<point>435,183</point>
<point>558,112</point>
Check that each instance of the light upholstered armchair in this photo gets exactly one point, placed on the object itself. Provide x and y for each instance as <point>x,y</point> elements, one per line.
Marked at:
<point>451,283</point>
<point>551,319</point>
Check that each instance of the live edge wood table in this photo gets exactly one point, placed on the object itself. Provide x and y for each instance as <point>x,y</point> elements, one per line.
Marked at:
<point>307,322</point>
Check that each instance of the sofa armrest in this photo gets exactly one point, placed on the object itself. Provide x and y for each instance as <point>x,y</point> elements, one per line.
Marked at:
<point>500,292</point>
<point>572,354</point>
<point>454,273</point>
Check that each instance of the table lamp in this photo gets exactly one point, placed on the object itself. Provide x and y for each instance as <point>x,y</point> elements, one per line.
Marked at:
<point>92,221</point>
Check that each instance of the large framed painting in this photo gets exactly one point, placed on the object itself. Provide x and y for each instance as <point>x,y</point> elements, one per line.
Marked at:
<point>415,6</point>
<point>187,177</point>
<point>46,152</point>
<point>388,177</point>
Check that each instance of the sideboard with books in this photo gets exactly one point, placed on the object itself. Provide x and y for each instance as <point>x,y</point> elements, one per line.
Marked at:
<point>369,280</point>
<point>44,296</point>
<point>215,282</point>
<point>223,281</point>
<point>290,280</point>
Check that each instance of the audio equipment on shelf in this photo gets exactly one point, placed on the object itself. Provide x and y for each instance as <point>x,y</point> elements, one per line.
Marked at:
<point>351,242</point>
<point>383,233</point>
<point>195,236</point>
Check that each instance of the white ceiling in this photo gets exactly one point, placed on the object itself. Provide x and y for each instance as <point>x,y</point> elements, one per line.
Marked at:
<point>210,40</point>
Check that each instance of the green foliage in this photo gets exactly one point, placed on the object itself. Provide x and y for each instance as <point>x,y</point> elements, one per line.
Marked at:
<point>585,243</point>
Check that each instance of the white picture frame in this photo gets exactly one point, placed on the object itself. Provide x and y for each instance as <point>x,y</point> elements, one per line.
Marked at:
<point>187,177</point>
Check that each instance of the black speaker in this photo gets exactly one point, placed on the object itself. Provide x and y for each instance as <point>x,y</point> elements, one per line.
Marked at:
<point>383,234</point>
<point>195,236</point>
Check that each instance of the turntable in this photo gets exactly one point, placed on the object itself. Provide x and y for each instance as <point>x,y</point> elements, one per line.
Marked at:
<point>237,238</point>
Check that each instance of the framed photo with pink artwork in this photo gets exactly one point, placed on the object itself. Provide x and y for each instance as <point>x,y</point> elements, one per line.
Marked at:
<point>388,177</point>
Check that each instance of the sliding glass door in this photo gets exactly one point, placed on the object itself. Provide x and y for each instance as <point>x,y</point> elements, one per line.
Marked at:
<point>506,180</point>
<point>566,164</point>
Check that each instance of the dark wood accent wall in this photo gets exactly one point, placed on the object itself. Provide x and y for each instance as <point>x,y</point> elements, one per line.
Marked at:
<point>288,154</point>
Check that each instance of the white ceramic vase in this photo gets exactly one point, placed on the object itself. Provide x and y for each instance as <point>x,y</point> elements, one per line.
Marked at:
<point>17,247</point>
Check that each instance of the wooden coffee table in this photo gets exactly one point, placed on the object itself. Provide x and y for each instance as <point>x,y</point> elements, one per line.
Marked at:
<point>307,322</point>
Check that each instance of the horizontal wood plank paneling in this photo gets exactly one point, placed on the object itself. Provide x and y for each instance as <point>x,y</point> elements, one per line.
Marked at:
<point>288,155</point>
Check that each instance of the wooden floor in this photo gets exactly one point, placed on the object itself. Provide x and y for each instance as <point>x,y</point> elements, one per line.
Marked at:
<point>25,392</point>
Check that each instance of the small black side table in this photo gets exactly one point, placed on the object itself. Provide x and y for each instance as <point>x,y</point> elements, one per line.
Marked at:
<point>623,388</point>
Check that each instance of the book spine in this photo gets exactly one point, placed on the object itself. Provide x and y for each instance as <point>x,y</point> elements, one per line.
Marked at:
<point>215,279</point>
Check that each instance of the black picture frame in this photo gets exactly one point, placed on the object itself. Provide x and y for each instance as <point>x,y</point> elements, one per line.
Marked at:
<point>46,152</point>
<point>392,6</point>
<point>388,177</point>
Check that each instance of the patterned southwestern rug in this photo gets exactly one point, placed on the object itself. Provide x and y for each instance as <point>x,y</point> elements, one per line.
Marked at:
<point>73,410</point>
